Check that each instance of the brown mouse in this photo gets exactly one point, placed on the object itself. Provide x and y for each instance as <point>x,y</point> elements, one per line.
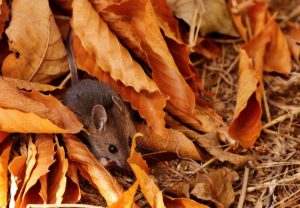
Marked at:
<point>105,117</point>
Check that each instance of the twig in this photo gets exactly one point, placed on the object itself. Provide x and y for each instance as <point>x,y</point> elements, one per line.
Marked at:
<point>285,198</point>
<point>268,131</point>
<point>281,118</point>
<point>266,105</point>
<point>244,188</point>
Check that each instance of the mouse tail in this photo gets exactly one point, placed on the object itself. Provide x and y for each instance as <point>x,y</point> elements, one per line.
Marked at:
<point>71,59</point>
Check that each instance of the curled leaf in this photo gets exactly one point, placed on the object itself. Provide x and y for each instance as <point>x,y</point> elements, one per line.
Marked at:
<point>93,170</point>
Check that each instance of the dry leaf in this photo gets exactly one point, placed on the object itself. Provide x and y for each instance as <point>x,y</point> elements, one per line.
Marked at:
<point>182,203</point>
<point>72,193</point>
<point>43,57</point>
<point>141,33</point>
<point>277,57</point>
<point>293,39</point>
<point>4,16</point>
<point>149,105</point>
<point>34,112</point>
<point>146,183</point>
<point>203,119</point>
<point>211,144</point>
<point>3,135</point>
<point>207,48</point>
<point>29,166</point>
<point>178,142</point>
<point>216,186</point>
<point>93,170</point>
<point>127,198</point>
<point>25,85</point>
<point>246,123</point>
<point>17,168</point>
<point>4,157</point>
<point>166,20</point>
<point>44,159</point>
<point>219,22</point>
<point>57,177</point>
<point>112,56</point>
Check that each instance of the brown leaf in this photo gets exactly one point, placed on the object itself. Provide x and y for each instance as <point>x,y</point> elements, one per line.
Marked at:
<point>127,198</point>
<point>146,183</point>
<point>4,157</point>
<point>277,57</point>
<point>216,186</point>
<point>17,168</point>
<point>142,35</point>
<point>57,177</point>
<point>219,22</point>
<point>111,57</point>
<point>210,143</point>
<point>3,135</point>
<point>34,112</point>
<point>41,59</point>
<point>4,16</point>
<point>166,20</point>
<point>149,105</point>
<point>93,170</point>
<point>207,48</point>
<point>177,143</point>
<point>28,86</point>
<point>293,39</point>
<point>203,119</point>
<point>72,193</point>
<point>245,128</point>
<point>182,203</point>
<point>44,159</point>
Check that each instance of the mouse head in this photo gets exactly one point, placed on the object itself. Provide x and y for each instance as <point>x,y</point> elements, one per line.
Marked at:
<point>110,132</point>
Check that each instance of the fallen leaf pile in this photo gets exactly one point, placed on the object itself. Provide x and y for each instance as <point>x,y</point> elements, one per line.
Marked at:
<point>143,49</point>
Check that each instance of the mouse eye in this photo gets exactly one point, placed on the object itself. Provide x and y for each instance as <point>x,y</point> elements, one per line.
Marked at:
<point>112,148</point>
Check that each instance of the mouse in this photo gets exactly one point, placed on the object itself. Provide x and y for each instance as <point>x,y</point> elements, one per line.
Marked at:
<point>108,125</point>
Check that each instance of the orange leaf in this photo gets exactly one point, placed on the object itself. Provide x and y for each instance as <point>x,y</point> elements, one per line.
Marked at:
<point>44,159</point>
<point>17,168</point>
<point>57,176</point>
<point>149,105</point>
<point>146,183</point>
<point>143,36</point>
<point>277,57</point>
<point>4,157</point>
<point>246,123</point>
<point>166,20</point>
<point>43,57</point>
<point>3,135</point>
<point>93,170</point>
<point>4,16</point>
<point>25,85</point>
<point>127,198</point>
<point>29,167</point>
<point>34,112</point>
<point>111,57</point>
<point>182,203</point>
<point>293,39</point>
<point>72,193</point>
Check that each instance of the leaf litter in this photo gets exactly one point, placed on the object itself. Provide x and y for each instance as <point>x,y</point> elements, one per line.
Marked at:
<point>224,175</point>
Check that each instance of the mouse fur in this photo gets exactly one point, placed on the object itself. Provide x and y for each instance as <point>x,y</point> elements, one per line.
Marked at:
<point>105,117</point>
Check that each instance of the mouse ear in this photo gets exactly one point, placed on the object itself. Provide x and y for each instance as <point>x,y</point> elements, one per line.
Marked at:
<point>99,117</point>
<point>118,102</point>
